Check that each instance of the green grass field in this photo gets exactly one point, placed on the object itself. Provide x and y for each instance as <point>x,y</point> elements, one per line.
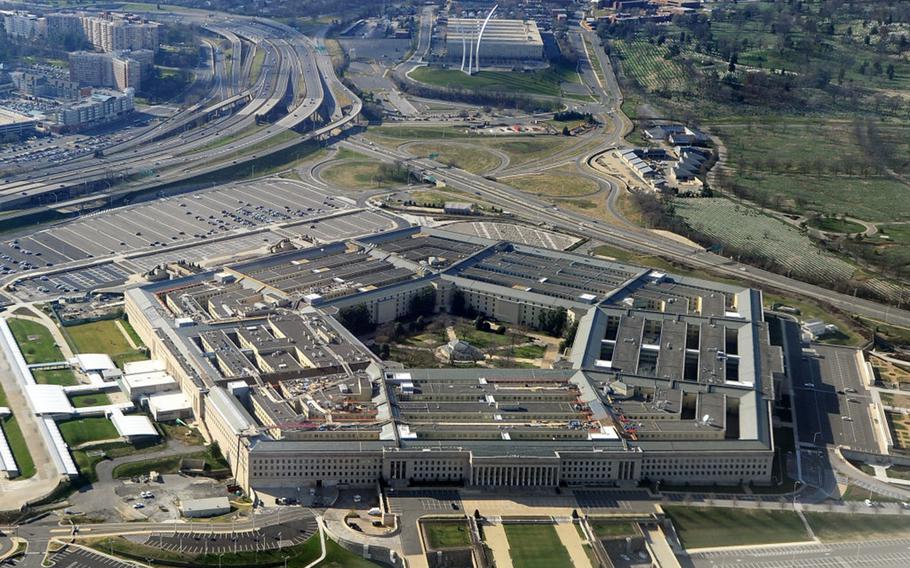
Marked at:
<point>613,530</point>
<point>62,377</point>
<point>834,225</point>
<point>355,174</point>
<point>16,442</point>
<point>35,341</point>
<point>822,166</point>
<point>529,351</point>
<point>536,546</point>
<point>131,332</point>
<point>839,527</point>
<point>98,337</point>
<point>701,527</point>
<point>80,431</point>
<point>487,339</point>
<point>470,158</point>
<point>256,65</point>
<point>546,82</point>
<point>85,400</point>
<point>553,184</point>
<point>441,535</point>
<point>526,149</point>
<point>105,336</point>
<point>891,248</point>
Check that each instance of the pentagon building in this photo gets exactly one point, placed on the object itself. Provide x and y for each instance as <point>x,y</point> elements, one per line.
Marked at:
<point>670,378</point>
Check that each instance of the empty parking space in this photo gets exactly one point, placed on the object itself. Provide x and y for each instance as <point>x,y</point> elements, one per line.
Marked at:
<point>80,558</point>
<point>354,224</point>
<point>514,233</point>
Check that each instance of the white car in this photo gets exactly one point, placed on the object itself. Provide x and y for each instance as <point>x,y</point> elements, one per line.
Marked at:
<point>138,506</point>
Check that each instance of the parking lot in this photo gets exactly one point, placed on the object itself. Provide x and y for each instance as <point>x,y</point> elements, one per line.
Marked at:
<point>170,221</point>
<point>71,557</point>
<point>166,495</point>
<point>515,233</point>
<point>72,281</point>
<point>832,404</point>
<point>613,500</point>
<point>198,540</point>
<point>880,554</point>
<point>342,226</point>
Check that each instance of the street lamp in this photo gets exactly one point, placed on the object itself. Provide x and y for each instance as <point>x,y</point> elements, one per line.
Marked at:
<point>796,484</point>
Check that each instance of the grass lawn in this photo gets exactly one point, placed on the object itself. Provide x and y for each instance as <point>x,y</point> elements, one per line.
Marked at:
<point>394,135</point>
<point>414,358</point>
<point>898,472</point>
<point>17,445</point>
<point>131,332</point>
<point>174,431</point>
<point>128,357</point>
<point>529,351</point>
<point>613,530</point>
<point>521,149</point>
<point>256,65</point>
<point>529,149</point>
<point>469,158</point>
<point>536,546</point>
<point>823,166</point>
<point>834,225</point>
<point>701,527</point>
<point>835,527</point>
<point>16,442</point>
<point>77,432</point>
<point>338,557</point>
<point>356,174</point>
<point>553,185</point>
<point>487,339</point>
<point>171,464</point>
<point>62,377</point>
<point>94,399</point>
<point>544,82</point>
<point>857,493</point>
<point>892,246</point>
<point>35,341</point>
<point>447,534</point>
<point>97,337</point>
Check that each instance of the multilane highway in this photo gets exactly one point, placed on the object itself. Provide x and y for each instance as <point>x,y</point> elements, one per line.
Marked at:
<point>293,75</point>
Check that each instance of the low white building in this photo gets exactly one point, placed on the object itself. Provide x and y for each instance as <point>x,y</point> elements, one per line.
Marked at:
<point>210,507</point>
<point>93,363</point>
<point>133,427</point>
<point>169,406</point>
<point>136,385</point>
<point>49,400</point>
